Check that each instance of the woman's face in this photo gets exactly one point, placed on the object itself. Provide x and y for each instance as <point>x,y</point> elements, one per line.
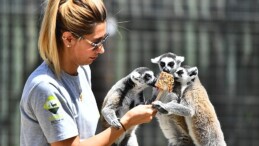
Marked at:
<point>78,52</point>
<point>83,52</point>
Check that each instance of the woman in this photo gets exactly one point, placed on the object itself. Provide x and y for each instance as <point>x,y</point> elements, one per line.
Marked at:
<point>58,107</point>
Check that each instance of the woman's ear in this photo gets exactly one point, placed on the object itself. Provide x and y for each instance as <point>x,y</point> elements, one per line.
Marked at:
<point>67,38</point>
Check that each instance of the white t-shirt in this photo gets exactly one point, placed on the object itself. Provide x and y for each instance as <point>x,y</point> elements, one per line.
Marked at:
<point>55,109</point>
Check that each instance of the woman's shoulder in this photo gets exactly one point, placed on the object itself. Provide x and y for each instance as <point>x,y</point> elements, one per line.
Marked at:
<point>40,83</point>
<point>42,74</point>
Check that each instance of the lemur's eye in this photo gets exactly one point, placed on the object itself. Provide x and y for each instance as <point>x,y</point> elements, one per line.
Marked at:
<point>179,72</point>
<point>147,77</point>
<point>162,64</point>
<point>171,64</point>
<point>193,73</point>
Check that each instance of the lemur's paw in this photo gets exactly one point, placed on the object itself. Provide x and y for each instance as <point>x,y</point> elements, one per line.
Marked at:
<point>116,124</point>
<point>160,107</point>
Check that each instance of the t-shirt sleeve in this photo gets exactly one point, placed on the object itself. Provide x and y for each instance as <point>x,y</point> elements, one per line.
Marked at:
<point>53,112</point>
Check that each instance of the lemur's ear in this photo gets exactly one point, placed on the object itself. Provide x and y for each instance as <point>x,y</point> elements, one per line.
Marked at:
<point>156,59</point>
<point>134,75</point>
<point>179,59</point>
<point>193,72</point>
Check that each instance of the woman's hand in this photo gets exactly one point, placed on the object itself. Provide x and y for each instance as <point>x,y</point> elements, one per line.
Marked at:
<point>138,115</point>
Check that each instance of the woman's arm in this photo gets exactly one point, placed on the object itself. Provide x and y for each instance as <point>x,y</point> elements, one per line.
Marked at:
<point>138,115</point>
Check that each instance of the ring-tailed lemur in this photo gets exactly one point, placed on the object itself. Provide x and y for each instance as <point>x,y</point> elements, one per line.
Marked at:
<point>124,95</point>
<point>167,62</point>
<point>200,116</point>
<point>173,126</point>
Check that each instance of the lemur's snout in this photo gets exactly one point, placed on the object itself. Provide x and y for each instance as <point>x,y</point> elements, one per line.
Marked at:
<point>153,82</point>
<point>167,70</point>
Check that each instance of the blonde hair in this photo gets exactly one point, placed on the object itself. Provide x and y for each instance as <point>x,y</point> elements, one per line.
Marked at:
<point>78,16</point>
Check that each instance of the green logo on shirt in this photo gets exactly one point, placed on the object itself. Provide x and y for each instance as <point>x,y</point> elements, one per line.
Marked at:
<point>52,104</point>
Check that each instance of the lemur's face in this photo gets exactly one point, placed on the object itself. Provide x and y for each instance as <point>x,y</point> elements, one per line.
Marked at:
<point>143,77</point>
<point>168,62</point>
<point>185,74</point>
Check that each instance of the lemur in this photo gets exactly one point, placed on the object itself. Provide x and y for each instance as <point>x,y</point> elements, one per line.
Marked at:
<point>124,95</point>
<point>173,126</point>
<point>167,62</point>
<point>200,116</point>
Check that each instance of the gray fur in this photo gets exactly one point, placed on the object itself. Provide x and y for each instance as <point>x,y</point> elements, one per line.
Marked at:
<point>124,95</point>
